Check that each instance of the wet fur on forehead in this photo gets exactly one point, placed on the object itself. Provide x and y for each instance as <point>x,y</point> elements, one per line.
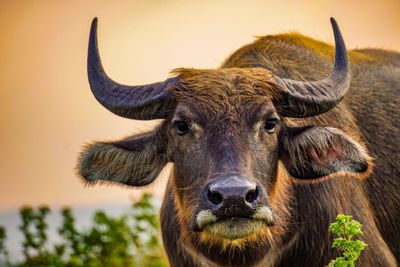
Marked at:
<point>228,90</point>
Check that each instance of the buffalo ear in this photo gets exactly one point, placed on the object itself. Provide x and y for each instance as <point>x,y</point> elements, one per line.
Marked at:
<point>314,152</point>
<point>134,161</point>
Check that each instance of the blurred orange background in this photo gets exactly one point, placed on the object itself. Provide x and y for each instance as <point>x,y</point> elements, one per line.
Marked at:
<point>47,110</point>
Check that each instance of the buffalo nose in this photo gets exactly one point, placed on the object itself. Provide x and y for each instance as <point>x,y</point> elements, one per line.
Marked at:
<point>233,191</point>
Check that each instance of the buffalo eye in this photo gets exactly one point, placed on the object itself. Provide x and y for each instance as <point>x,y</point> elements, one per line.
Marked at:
<point>270,125</point>
<point>181,127</point>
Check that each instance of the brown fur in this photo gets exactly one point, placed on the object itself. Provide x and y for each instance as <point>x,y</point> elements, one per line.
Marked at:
<point>225,107</point>
<point>375,80</point>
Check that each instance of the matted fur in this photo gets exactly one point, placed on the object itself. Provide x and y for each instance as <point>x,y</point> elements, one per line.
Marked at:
<point>107,163</point>
<point>133,161</point>
<point>214,90</point>
<point>321,151</point>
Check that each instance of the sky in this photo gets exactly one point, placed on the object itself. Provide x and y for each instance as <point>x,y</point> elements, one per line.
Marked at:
<point>47,111</point>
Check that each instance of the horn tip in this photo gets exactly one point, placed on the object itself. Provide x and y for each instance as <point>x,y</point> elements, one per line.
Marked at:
<point>341,53</point>
<point>94,22</point>
<point>93,34</point>
<point>93,26</point>
<point>334,23</point>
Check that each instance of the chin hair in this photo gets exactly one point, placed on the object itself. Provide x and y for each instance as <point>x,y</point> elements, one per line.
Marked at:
<point>222,235</point>
<point>233,230</point>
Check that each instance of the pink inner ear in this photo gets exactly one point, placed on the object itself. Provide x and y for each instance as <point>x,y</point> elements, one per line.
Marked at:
<point>324,156</point>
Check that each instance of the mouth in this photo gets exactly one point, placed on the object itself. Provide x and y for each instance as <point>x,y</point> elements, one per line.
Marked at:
<point>233,228</point>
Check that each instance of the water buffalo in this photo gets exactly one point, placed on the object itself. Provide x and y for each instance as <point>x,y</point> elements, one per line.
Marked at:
<point>267,150</point>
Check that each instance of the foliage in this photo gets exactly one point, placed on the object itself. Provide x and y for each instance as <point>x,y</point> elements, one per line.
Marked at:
<point>346,228</point>
<point>132,239</point>
<point>34,228</point>
<point>146,233</point>
<point>4,258</point>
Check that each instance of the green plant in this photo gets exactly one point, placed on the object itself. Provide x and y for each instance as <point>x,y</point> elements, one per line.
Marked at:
<point>131,239</point>
<point>146,233</point>
<point>346,228</point>
<point>35,245</point>
<point>4,256</point>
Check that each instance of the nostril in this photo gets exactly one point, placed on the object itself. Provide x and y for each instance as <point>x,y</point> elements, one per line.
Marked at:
<point>214,197</point>
<point>252,195</point>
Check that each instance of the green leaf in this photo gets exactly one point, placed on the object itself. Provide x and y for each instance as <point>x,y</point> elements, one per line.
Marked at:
<point>346,228</point>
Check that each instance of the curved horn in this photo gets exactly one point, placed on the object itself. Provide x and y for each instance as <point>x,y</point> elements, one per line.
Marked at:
<point>305,99</point>
<point>143,102</point>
